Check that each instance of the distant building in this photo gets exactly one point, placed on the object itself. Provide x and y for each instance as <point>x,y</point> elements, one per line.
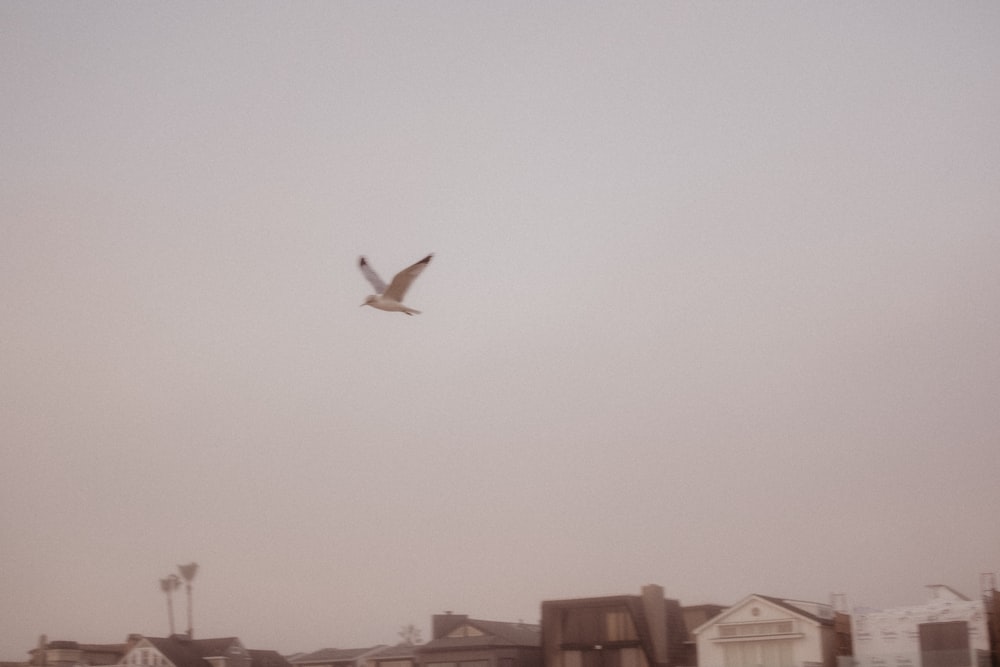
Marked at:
<point>460,641</point>
<point>695,616</point>
<point>338,657</point>
<point>67,653</point>
<point>401,655</point>
<point>140,651</point>
<point>950,630</point>
<point>645,630</point>
<point>179,651</point>
<point>765,631</point>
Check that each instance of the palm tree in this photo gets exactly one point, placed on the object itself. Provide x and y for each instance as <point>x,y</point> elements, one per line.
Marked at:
<point>188,571</point>
<point>168,585</point>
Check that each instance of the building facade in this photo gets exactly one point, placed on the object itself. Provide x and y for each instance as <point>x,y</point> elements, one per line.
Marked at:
<point>338,657</point>
<point>765,631</point>
<point>950,630</point>
<point>645,630</point>
<point>460,641</point>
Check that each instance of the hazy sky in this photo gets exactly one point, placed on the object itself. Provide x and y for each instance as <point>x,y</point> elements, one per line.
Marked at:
<point>715,304</point>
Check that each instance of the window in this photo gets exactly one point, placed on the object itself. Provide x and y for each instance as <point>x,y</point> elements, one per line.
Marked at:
<point>944,644</point>
<point>758,654</point>
<point>755,629</point>
<point>617,626</point>
<point>465,631</point>
<point>605,657</point>
<point>596,625</point>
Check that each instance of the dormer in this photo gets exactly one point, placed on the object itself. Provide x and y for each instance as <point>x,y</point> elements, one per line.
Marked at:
<point>235,655</point>
<point>465,630</point>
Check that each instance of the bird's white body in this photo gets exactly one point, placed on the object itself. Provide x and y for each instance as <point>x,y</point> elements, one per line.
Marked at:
<point>390,297</point>
<point>382,303</point>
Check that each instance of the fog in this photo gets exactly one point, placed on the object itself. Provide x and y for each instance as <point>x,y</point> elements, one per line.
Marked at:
<point>714,304</point>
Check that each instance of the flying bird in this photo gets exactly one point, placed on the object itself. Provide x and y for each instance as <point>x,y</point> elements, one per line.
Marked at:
<point>391,298</point>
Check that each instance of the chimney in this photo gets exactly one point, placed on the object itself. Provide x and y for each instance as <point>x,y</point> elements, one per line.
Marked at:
<point>655,606</point>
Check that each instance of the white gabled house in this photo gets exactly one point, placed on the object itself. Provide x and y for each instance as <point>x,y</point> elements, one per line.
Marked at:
<point>179,651</point>
<point>765,631</point>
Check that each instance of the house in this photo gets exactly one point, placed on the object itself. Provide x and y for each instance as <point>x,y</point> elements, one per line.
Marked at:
<point>401,655</point>
<point>645,630</point>
<point>694,616</point>
<point>765,631</point>
<point>180,651</point>
<point>65,653</point>
<point>460,641</point>
<point>950,630</point>
<point>338,657</point>
<point>267,658</point>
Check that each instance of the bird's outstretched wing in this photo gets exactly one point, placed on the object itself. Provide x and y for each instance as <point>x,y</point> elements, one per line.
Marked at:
<point>402,281</point>
<point>372,277</point>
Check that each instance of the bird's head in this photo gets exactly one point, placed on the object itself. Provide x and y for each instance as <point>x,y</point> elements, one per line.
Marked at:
<point>369,300</point>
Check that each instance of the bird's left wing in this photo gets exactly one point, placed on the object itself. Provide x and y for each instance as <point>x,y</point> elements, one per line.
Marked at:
<point>403,280</point>
<point>372,277</point>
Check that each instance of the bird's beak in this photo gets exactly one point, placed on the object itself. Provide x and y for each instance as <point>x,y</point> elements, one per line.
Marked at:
<point>364,304</point>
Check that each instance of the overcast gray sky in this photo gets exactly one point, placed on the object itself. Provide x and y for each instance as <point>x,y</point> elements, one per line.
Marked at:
<point>715,304</point>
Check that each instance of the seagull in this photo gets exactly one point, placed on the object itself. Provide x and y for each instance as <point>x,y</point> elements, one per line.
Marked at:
<point>390,298</point>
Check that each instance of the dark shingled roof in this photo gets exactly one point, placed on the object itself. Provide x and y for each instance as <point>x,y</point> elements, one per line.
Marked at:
<point>213,647</point>
<point>264,658</point>
<point>495,633</point>
<point>181,652</point>
<point>397,651</point>
<point>184,652</point>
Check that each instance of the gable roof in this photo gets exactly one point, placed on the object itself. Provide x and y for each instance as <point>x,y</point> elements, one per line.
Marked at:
<point>184,652</point>
<point>327,655</point>
<point>495,633</point>
<point>784,603</point>
<point>792,607</point>
<point>213,647</point>
<point>181,652</point>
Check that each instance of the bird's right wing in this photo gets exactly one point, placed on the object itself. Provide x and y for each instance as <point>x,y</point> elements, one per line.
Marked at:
<point>372,277</point>
<point>403,280</point>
